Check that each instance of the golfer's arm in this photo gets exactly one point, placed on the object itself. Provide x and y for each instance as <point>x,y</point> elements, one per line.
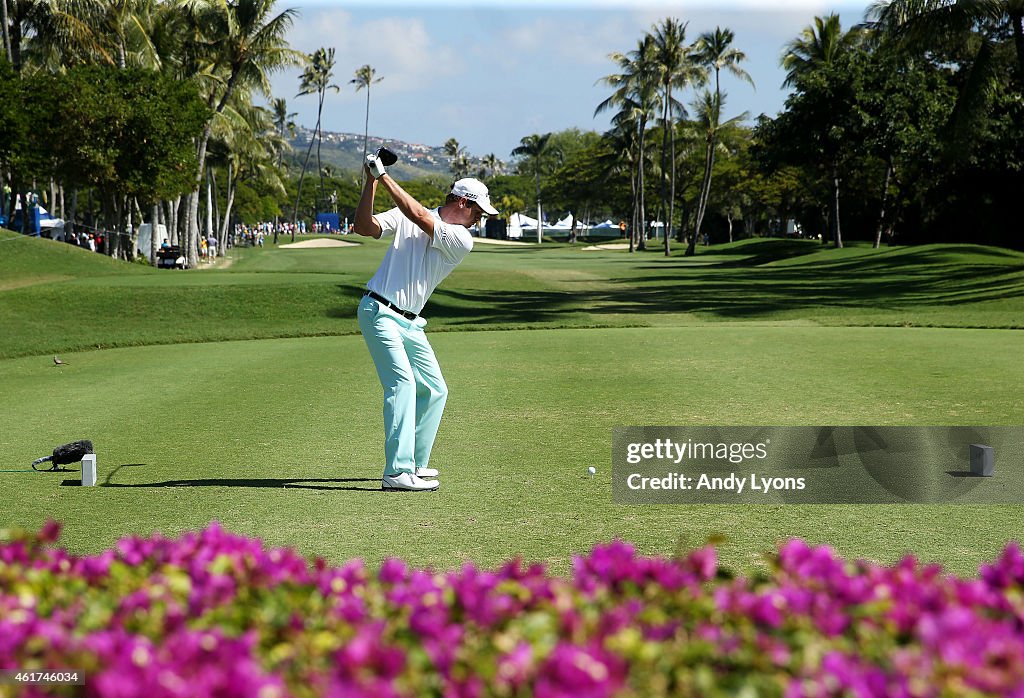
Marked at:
<point>410,207</point>
<point>365,224</point>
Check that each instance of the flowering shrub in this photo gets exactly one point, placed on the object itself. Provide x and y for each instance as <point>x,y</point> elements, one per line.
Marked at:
<point>216,614</point>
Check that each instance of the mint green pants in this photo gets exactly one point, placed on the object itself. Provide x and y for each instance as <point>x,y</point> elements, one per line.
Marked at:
<point>414,389</point>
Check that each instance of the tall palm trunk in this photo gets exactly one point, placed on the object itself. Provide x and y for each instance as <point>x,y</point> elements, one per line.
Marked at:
<point>665,196</point>
<point>14,36</point>
<point>672,182</point>
<point>154,225</point>
<point>881,212</point>
<point>6,32</point>
<point>209,204</point>
<point>222,237</point>
<point>172,218</point>
<point>540,220</point>
<point>132,229</point>
<point>192,222</point>
<point>69,225</point>
<point>191,242</point>
<point>366,126</point>
<point>1017,20</point>
<point>319,142</point>
<point>632,218</point>
<point>302,176</point>
<point>837,236</point>
<point>705,189</point>
<point>641,212</point>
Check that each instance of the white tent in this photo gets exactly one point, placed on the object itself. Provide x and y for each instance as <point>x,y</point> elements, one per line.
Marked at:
<point>517,223</point>
<point>514,229</point>
<point>145,243</point>
<point>52,227</point>
<point>564,224</point>
<point>524,221</point>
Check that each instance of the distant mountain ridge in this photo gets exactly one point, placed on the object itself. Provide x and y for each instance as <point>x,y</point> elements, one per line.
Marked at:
<point>344,152</point>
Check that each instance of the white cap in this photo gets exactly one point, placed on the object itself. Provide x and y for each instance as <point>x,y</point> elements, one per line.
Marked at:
<point>475,191</point>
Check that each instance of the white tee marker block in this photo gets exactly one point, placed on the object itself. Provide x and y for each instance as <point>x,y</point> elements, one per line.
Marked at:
<point>89,470</point>
<point>982,460</point>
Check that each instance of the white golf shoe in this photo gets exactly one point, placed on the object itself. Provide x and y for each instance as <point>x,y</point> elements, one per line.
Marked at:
<point>407,482</point>
<point>426,472</point>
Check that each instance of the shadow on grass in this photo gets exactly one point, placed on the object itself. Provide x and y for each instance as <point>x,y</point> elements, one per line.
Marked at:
<point>901,279</point>
<point>274,483</point>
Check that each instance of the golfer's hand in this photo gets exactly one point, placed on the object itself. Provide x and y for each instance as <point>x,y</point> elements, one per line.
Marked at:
<point>375,166</point>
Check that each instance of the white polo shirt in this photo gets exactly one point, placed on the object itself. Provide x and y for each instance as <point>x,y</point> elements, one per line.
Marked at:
<point>414,264</point>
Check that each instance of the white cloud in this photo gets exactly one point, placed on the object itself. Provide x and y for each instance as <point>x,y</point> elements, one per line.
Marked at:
<point>584,43</point>
<point>400,49</point>
<point>407,53</point>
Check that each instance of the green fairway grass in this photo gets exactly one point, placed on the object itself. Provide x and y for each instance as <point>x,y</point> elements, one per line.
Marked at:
<point>50,287</point>
<point>280,436</point>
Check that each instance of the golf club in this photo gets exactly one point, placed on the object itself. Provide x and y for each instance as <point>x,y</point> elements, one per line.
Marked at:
<point>386,157</point>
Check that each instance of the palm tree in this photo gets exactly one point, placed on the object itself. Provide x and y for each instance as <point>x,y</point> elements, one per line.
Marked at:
<point>491,165</point>
<point>636,93</point>
<point>912,28</point>
<point>125,26</point>
<point>909,29</point>
<point>817,46</point>
<point>316,79</point>
<point>920,23</point>
<point>715,52</point>
<point>534,148</point>
<point>247,152</point>
<point>677,69</point>
<point>364,78</point>
<point>284,124</point>
<point>458,160</point>
<point>240,44</point>
<point>49,35</point>
<point>623,142</point>
<point>709,118</point>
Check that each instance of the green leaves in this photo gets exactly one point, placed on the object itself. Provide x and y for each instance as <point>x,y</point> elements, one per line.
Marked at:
<point>127,132</point>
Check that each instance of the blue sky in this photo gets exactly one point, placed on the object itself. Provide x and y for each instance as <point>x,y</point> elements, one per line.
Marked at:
<point>489,73</point>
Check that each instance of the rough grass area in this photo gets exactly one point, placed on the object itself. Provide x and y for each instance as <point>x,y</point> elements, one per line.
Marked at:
<point>281,437</point>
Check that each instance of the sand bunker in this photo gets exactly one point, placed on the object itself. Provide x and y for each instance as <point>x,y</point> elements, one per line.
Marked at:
<point>319,242</point>
<point>492,241</point>
<point>612,246</point>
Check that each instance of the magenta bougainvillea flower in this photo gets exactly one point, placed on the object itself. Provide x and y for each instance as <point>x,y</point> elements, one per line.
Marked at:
<point>211,613</point>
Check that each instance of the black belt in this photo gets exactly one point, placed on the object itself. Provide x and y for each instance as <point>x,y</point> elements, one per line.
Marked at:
<point>407,314</point>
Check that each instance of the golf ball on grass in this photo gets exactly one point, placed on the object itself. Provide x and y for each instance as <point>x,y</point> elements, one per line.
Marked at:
<point>592,470</point>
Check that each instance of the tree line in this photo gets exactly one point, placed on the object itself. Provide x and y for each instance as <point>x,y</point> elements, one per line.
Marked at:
<point>202,60</point>
<point>907,128</point>
<point>904,128</point>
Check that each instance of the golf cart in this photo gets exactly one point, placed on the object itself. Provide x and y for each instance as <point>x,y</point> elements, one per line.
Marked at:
<point>171,258</point>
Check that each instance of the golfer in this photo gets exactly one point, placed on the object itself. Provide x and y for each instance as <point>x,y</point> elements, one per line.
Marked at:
<point>427,245</point>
